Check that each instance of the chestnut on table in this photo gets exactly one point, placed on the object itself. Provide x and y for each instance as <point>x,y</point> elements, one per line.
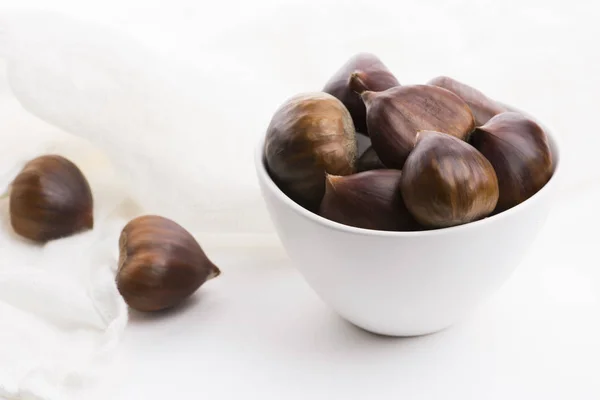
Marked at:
<point>160,264</point>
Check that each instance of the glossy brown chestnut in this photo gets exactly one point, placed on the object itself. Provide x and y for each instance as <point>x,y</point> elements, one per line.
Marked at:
<point>396,115</point>
<point>447,182</point>
<point>369,200</point>
<point>371,74</point>
<point>310,135</point>
<point>160,264</point>
<point>369,160</point>
<point>482,107</point>
<point>518,149</point>
<point>50,199</point>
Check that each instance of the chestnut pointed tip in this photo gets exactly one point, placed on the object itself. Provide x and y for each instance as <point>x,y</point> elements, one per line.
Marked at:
<point>439,80</point>
<point>333,180</point>
<point>215,272</point>
<point>418,136</point>
<point>356,82</point>
<point>422,134</point>
<point>367,96</point>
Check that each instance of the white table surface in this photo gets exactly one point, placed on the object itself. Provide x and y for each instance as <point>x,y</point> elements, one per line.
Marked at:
<point>260,332</point>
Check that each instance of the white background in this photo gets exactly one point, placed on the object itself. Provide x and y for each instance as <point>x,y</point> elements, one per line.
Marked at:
<point>259,331</point>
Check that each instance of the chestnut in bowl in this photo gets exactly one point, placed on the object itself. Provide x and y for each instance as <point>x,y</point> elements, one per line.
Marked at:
<point>406,283</point>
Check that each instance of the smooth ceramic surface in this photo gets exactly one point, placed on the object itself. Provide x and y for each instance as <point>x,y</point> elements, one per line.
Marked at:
<point>406,283</point>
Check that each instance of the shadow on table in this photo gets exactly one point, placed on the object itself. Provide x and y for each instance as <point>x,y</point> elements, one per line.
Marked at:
<point>138,317</point>
<point>268,311</point>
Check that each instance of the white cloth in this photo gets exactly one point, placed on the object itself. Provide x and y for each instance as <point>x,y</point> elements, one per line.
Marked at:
<point>59,306</point>
<point>83,91</point>
<point>171,132</point>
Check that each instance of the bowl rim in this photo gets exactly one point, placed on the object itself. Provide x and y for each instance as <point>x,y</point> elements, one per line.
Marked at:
<point>546,190</point>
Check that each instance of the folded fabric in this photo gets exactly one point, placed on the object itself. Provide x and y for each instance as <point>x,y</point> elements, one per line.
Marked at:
<point>177,137</point>
<point>84,92</point>
<point>60,310</point>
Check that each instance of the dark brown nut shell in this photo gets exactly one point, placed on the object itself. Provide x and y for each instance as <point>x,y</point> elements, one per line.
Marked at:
<point>369,200</point>
<point>374,76</point>
<point>160,264</point>
<point>482,107</point>
<point>310,135</point>
<point>447,182</point>
<point>50,199</point>
<point>396,115</point>
<point>518,149</point>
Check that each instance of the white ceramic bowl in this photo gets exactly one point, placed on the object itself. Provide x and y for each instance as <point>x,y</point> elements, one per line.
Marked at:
<point>406,283</point>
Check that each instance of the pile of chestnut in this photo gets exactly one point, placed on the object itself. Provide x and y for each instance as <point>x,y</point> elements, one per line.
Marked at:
<point>442,154</point>
<point>160,263</point>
